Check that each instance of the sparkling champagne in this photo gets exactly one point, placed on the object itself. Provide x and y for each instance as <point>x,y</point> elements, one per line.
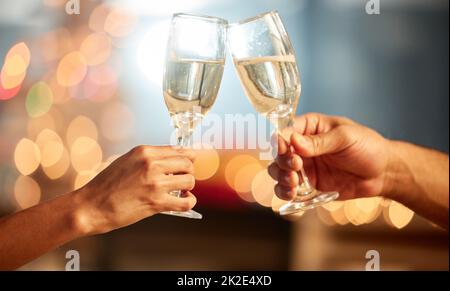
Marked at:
<point>272,84</point>
<point>190,89</point>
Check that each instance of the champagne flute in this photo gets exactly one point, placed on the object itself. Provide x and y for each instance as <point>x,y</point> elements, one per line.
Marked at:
<point>265,62</point>
<point>194,66</point>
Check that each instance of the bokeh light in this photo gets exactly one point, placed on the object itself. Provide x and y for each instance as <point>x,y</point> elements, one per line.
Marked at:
<point>399,215</point>
<point>58,169</point>
<point>72,69</point>
<point>81,126</point>
<point>120,22</point>
<point>27,156</point>
<point>6,94</point>
<point>243,180</point>
<point>263,188</point>
<point>50,146</point>
<point>85,154</point>
<point>98,17</point>
<point>15,66</point>
<point>83,178</point>
<point>325,216</point>
<point>39,99</point>
<point>338,214</point>
<point>27,192</point>
<point>206,163</point>
<point>96,48</point>
<point>234,165</point>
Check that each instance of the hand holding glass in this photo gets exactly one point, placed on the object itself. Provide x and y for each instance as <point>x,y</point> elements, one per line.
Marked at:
<point>265,61</point>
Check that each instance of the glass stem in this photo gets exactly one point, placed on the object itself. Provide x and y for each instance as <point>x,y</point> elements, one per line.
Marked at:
<point>305,188</point>
<point>183,140</point>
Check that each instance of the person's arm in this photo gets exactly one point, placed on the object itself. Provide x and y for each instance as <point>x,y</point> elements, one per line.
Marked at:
<point>133,187</point>
<point>340,155</point>
<point>419,178</point>
<point>34,231</point>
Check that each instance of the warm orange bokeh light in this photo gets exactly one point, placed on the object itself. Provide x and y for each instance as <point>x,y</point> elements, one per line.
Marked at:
<point>27,156</point>
<point>50,146</point>
<point>263,188</point>
<point>333,205</point>
<point>399,215</point>
<point>58,169</point>
<point>14,66</point>
<point>10,82</point>
<point>98,17</point>
<point>120,23</point>
<point>325,216</point>
<point>243,180</point>
<point>96,48</point>
<point>83,178</point>
<point>81,126</point>
<point>27,192</point>
<point>338,215</point>
<point>71,69</point>
<point>234,165</point>
<point>85,154</point>
<point>206,163</point>
<point>14,69</point>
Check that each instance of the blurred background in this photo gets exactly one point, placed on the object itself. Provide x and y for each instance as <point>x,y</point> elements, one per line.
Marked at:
<point>76,91</point>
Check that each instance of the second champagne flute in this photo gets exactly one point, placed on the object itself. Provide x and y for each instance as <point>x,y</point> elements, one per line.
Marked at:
<point>265,61</point>
<point>195,59</point>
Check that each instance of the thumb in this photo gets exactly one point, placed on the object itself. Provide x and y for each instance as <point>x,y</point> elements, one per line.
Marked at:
<point>320,144</point>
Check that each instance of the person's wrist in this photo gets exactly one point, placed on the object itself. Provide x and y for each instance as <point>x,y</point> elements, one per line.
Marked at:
<point>81,220</point>
<point>391,171</point>
<point>397,177</point>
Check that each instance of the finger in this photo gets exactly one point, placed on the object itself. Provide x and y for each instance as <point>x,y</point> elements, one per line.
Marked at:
<point>289,162</point>
<point>179,182</point>
<point>325,143</point>
<point>165,151</point>
<point>284,193</point>
<point>173,165</point>
<point>314,123</point>
<point>184,203</point>
<point>274,171</point>
<point>283,146</point>
<point>285,178</point>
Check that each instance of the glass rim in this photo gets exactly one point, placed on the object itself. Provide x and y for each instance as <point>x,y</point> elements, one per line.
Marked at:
<point>253,18</point>
<point>200,16</point>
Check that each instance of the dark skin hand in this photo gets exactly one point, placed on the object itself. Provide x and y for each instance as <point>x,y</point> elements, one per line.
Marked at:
<point>341,155</point>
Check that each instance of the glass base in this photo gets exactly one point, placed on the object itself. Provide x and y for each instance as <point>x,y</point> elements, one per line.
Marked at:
<point>188,214</point>
<point>314,199</point>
